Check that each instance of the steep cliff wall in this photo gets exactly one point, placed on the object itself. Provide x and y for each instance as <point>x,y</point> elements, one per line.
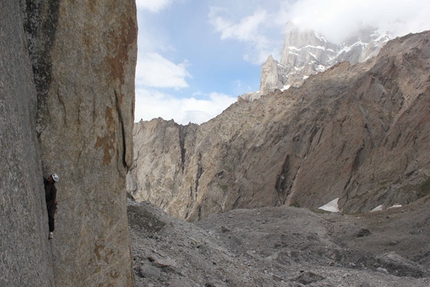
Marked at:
<point>356,132</point>
<point>80,106</point>
<point>25,258</point>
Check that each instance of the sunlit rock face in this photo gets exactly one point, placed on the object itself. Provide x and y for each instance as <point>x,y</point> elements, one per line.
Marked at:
<point>67,107</point>
<point>354,132</point>
<point>165,165</point>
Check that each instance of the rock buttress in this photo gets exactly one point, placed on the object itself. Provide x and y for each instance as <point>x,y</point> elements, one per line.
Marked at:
<point>84,56</point>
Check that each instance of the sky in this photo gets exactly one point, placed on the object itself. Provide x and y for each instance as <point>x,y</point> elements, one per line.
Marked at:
<point>195,57</point>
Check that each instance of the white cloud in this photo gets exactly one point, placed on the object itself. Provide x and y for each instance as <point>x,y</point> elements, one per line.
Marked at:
<point>153,70</point>
<point>246,30</point>
<point>337,19</point>
<point>252,29</point>
<point>153,104</point>
<point>153,5</point>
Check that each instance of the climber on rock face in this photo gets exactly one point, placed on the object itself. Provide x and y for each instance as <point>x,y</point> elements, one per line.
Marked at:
<point>51,203</point>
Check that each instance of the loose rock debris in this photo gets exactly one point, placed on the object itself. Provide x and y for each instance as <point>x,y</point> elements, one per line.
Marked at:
<point>281,246</point>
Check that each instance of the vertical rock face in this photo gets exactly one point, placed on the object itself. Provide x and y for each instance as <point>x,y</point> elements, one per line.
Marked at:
<point>85,58</point>
<point>270,79</point>
<point>354,132</point>
<point>166,171</point>
<point>25,252</point>
<point>79,102</point>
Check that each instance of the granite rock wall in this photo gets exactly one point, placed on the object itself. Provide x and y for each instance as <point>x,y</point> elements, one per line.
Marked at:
<point>25,252</point>
<point>68,108</point>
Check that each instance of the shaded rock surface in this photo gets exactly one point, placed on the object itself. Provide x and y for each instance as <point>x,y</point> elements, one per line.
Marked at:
<point>66,106</point>
<point>281,246</point>
<point>355,132</point>
<point>25,251</point>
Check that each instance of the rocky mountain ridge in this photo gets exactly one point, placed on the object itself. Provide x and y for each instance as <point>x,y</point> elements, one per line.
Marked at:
<point>306,53</point>
<point>354,132</point>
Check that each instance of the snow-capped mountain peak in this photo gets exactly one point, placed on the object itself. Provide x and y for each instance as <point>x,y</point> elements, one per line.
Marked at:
<point>305,53</point>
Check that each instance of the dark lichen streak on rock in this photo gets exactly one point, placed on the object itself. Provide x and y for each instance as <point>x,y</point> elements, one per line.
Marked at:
<point>40,24</point>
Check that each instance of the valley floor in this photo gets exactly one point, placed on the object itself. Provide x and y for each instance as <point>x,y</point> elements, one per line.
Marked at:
<point>282,246</point>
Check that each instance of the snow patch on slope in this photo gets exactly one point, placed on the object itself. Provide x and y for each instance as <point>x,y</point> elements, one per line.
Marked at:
<point>332,206</point>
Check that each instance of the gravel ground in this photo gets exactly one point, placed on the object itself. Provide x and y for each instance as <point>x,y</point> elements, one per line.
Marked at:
<point>282,246</point>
